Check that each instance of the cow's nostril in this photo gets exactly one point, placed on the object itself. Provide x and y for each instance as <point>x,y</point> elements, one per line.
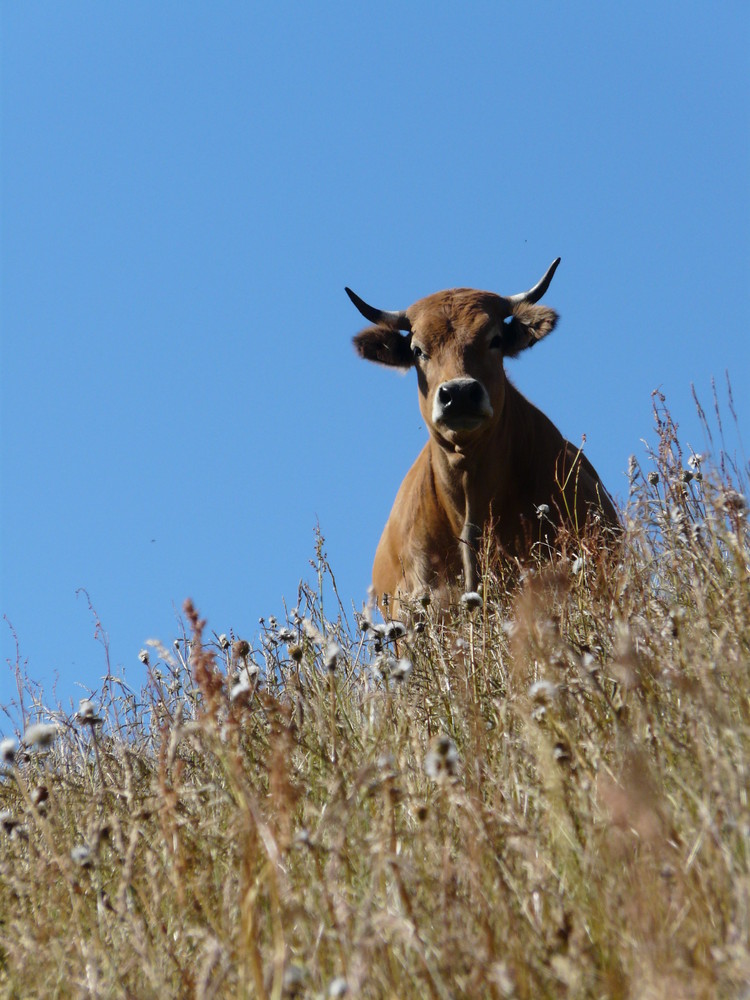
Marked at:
<point>475,392</point>
<point>444,395</point>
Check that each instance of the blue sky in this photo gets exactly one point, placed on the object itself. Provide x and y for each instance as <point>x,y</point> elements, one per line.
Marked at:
<point>187,188</point>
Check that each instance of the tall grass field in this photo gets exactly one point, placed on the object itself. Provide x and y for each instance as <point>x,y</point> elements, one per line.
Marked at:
<point>543,793</point>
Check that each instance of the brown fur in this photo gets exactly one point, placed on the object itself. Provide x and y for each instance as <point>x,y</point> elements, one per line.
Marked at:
<point>497,472</point>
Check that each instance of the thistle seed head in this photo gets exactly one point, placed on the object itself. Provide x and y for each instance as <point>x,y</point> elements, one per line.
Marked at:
<point>8,821</point>
<point>81,855</point>
<point>331,656</point>
<point>401,669</point>
<point>87,713</point>
<point>441,759</point>
<point>40,735</point>
<point>543,691</point>
<point>240,649</point>
<point>8,748</point>
<point>395,630</point>
<point>471,600</point>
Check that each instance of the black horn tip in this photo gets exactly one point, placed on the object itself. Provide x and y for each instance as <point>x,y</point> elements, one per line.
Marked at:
<point>399,320</point>
<point>535,293</point>
<point>361,305</point>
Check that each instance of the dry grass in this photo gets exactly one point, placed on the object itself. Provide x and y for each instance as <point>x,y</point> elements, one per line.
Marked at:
<point>546,796</point>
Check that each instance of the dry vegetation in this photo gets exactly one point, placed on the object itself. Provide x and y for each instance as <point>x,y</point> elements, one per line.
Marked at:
<point>546,796</point>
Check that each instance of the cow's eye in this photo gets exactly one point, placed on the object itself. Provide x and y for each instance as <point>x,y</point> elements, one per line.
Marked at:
<point>417,351</point>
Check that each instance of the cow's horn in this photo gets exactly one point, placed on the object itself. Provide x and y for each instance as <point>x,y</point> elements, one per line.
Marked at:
<point>535,293</point>
<point>397,319</point>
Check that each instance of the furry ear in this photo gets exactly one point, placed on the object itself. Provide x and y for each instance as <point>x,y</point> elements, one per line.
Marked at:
<point>385,345</point>
<point>528,324</point>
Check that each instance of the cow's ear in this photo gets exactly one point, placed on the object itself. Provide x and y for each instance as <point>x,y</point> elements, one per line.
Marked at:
<point>385,345</point>
<point>528,324</point>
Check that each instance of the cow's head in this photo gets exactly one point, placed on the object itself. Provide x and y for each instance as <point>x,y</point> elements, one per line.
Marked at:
<point>457,340</point>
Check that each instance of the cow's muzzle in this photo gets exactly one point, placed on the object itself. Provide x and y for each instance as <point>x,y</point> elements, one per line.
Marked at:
<point>461,404</point>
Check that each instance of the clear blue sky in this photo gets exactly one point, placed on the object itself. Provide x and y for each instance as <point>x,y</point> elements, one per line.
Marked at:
<point>186,189</point>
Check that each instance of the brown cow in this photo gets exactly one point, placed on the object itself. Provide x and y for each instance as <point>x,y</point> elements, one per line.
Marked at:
<point>491,457</point>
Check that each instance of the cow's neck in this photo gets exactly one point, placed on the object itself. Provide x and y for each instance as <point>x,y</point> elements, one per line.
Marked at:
<point>469,482</point>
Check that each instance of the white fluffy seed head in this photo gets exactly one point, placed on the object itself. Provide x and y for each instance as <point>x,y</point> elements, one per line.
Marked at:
<point>87,710</point>
<point>331,655</point>
<point>395,630</point>
<point>401,669</point>
<point>543,690</point>
<point>81,855</point>
<point>441,759</point>
<point>8,748</point>
<point>39,735</point>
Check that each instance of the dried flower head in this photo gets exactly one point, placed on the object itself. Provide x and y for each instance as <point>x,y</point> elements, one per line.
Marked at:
<point>8,748</point>
<point>471,600</point>
<point>240,649</point>
<point>87,713</point>
<point>242,687</point>
<point>543,691</point>
<point>143,657</point>
<point>39,796</point>
<point>331,655</point>
<point>386,763</point>
<point>338,987</point>
<point>653,478</point>
<point>734,502</point>
<point>401,669</point>
<point>40,735</point>
<point>293,981</point>
<point>384,664</point>
<point>312,631</point>
<point>8,821</point>
<point>363,622</point>
<point>246,680</point>
<point>542,511</point>
<point>81,855</point>
<point>224,642</point>
<point>394,630</point>
<point>441,759</point>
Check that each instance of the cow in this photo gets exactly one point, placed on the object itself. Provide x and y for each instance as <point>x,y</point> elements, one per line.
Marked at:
<point>492,458</point>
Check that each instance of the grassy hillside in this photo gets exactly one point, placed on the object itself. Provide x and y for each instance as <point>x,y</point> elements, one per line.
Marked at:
<point>544,796</point>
